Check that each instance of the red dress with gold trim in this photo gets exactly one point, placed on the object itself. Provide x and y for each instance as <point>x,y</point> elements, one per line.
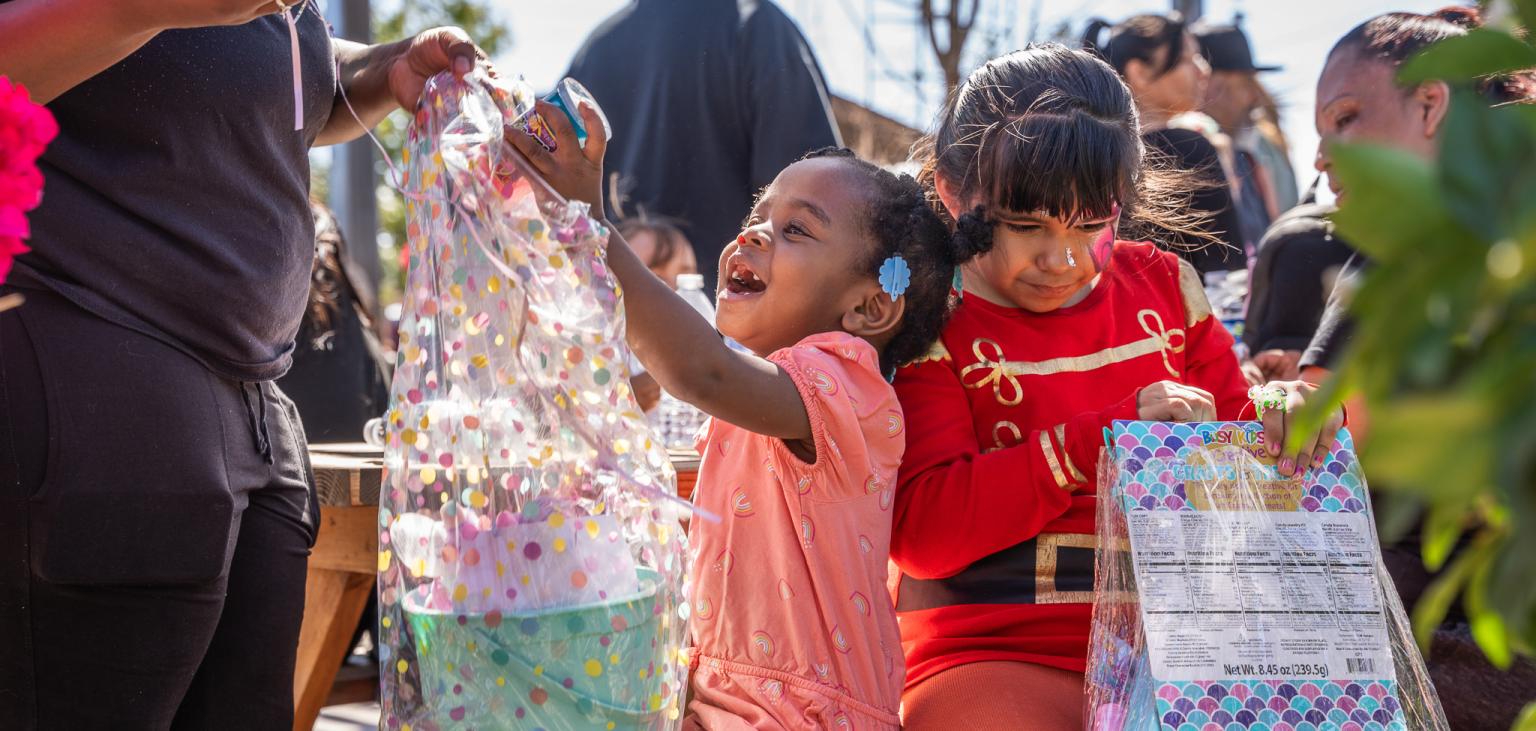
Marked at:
<point>995,504</point>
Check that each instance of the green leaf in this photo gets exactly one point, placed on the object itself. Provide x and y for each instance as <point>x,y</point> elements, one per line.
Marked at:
<point>1393,202</point>
<point>1397,513</point>
<point>1527,719</point>
<point>1481,52</point>
<point>1443,526</point>
<point>1488,628</point>
<point>1515,573</point>
<point>1446,467</point>
<point>1483,191</point>
<point>1527,12</point>
<point>1437,599</point>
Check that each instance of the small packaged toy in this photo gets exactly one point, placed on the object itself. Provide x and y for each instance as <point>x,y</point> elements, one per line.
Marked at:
<point>568,97</point>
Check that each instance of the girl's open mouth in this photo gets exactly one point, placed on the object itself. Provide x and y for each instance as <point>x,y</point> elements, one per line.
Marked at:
<point>741,281</point>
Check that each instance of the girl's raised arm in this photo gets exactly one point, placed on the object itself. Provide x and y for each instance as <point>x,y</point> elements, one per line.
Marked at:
<point>682,350</point>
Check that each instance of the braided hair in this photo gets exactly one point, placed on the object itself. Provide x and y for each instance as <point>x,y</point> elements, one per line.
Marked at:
<point>901,222</point>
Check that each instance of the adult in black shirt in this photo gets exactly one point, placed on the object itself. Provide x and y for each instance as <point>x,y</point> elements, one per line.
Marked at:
<point>156,506</point>
<point>709,100</point>
<point>1161,63</point>
<point>1189,150</point>
<point>1298,262</point>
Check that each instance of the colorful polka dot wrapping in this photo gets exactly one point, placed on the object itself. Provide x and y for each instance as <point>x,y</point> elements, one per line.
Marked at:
<point>530,561</point>
<point>1229,597</point>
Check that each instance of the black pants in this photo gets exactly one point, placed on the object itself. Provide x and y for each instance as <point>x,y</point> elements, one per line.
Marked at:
<point>155,525</point>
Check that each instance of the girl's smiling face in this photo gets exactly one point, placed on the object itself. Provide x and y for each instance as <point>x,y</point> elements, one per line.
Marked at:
<point>1028,266</point>
<point>792,272</point>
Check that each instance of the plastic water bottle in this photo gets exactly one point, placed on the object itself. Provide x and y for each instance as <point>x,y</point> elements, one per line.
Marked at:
<point>691,288</point>
<point>677,422</point>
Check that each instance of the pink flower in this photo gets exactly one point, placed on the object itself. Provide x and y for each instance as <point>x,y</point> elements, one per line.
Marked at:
<point>25,129</point>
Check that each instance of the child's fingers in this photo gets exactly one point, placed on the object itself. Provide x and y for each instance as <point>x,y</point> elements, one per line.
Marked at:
<point>1204,404</point>
<point>1326,438</point>
<point>597,135</point>
<point>1178,409</point>
<point>1274,430</point>
<point>560,125</point>
<point>1294,460</point>
<point>530,148</point>
<point>1314,446</point>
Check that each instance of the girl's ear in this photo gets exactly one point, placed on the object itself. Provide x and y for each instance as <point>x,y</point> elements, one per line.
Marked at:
<point>948,196</point>
<point>1434,99</point>
<point>876,316</point>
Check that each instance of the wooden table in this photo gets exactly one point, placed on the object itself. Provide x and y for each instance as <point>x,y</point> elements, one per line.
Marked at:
<point>343,570</point>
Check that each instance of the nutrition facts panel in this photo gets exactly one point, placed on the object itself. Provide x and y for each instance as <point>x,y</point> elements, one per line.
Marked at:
<point>1231,595</point>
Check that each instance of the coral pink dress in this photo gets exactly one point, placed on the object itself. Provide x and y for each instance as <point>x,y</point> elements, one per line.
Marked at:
<point>792,622</point>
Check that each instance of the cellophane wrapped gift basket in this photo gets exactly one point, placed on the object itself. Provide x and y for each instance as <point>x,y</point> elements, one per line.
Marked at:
<point>531,565</point>
<point>1230,597</point>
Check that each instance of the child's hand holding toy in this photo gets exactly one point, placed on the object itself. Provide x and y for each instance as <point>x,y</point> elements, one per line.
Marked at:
<point>574,170</point>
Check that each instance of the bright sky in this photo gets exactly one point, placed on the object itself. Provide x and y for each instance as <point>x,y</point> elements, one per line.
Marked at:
<point>1295,34</point>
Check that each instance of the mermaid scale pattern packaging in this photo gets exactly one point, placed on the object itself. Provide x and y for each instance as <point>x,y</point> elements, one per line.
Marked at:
<point>1228,597</point>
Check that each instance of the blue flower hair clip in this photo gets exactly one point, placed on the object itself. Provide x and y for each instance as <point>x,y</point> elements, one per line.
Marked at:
<point>895,276</point>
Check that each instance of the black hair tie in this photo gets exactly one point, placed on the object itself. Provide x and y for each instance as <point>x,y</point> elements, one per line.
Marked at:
<point>973,235</point>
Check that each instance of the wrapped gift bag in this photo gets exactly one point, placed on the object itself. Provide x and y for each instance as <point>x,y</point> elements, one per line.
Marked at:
<point>531,567</point>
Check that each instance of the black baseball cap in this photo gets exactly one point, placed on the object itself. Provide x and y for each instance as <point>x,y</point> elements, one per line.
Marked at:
<point>1226,48</point>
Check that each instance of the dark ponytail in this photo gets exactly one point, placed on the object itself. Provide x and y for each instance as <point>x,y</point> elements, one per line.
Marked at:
<point>1137,38</point>
<point>973,233</point>
<point>1093,36</point>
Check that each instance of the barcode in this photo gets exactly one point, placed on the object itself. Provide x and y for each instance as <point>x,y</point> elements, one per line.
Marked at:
<point>1360,664</point>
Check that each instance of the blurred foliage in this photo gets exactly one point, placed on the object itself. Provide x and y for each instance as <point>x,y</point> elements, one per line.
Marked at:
<point>405,18</point>
<point>393,21</point>
<point>1444,350</point>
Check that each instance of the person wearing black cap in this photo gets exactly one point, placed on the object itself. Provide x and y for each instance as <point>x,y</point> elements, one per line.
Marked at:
<point>1248,114</point>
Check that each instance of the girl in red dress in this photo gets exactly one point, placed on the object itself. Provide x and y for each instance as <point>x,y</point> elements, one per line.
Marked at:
<point>1061,330</point>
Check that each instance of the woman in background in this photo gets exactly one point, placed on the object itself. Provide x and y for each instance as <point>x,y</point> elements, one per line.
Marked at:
<point>1161,63</point>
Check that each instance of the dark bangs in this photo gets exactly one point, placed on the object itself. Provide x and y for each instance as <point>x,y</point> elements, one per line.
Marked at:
<point>1051,130</point>
<point>1069,166</point>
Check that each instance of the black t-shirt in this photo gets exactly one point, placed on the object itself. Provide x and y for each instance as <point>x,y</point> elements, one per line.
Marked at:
<point>1190,150</point>
<point>1298,262</point>
<point>176,196</point>
<point>708,102</point>
<point>1337,327</point>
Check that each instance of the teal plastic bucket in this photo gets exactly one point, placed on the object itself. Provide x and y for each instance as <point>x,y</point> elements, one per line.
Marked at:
<point>580,667</point>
